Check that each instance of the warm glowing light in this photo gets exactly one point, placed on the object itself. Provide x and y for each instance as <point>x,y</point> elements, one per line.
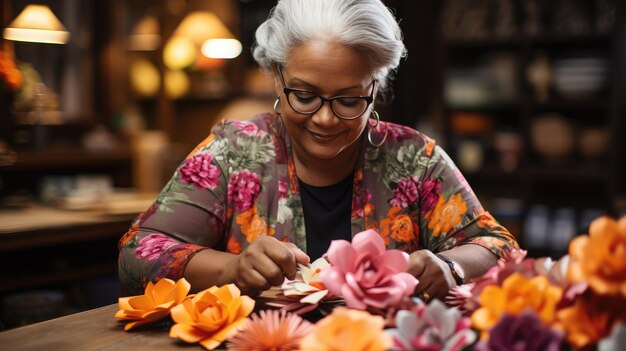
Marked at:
<point>176,84</point>
<point>144,78</point>
<point>179,53</point>
<point>221,48</point>
<point>37,23</point>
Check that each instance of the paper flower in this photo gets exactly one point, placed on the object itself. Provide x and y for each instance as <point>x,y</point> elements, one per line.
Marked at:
<point>270,330</point>
<point>347,330</point>
<point>433,327</point>
<point>600,258</point>
<point>365,274</point>
<point>516,295</point>
<point>524,332</point>
<point>591,318</point>
<point>211,316</point>
<point>154,305</point>
<point>304,295</point>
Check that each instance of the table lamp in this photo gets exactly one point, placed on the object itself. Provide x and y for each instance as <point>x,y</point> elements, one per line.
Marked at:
<point>37,24</point>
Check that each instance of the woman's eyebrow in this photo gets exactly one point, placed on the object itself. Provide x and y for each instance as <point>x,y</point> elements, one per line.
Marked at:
<point>317,89</point>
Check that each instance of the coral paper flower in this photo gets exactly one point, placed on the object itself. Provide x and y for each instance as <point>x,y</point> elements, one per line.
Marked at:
<point>365,274</point>
<point>523,332</point>
<point>432,327</point>
<point>154,305</point>
<point>517,295</point>
<point>211,316</point>
<point>349,330</point>
<point>270,330</point>
<point>600,258</point>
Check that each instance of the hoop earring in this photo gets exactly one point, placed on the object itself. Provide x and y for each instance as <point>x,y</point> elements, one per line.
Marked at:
<point>369,131</point>
<point>277,105</point>
<point>376,117</point>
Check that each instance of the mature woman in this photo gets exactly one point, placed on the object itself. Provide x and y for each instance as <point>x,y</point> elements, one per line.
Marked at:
<point>258,197</point>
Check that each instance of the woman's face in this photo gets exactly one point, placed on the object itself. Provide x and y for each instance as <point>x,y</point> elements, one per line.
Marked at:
<point>329,70</point>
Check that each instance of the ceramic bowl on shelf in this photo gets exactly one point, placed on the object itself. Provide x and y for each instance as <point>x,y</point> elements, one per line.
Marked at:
<point>594,142</point>
<point>553,137</point>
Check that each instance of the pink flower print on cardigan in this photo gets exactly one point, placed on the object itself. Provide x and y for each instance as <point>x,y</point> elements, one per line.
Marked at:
<point>405,193</point>
<point>429,190</point>
<point>243,189</point>
<point>151,246</point>
<point>200,172</point>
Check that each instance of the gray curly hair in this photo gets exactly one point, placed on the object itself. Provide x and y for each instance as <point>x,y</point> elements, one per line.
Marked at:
<point>367,26</point>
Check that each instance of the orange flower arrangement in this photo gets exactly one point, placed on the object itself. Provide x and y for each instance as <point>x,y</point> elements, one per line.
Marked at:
<point>154,305</point>
<point>211,316</point>
<point>253,225</point>
<point>517,295</point>
<point>446,214</point>
<point>349,330</point>
<point>600,258</point>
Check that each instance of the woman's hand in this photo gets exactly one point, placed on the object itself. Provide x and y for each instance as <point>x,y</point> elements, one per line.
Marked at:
<point>435,278</point>
<point>266,263</point>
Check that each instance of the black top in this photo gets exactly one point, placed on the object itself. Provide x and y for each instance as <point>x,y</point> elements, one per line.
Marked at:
<point>327,212</point>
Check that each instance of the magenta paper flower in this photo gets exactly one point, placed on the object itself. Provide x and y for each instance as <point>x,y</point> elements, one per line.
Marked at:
<point>523,332</point>
<point>365,274</point>
<point>432,327</point>
<point>243,189</point>
<point>200,172</point>
<point>151,246</point>
<point>405,193</point>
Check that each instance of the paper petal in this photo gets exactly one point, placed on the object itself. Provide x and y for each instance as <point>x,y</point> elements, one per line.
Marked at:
<point>315,297</point>
<point>368,243</point>
<point>342,254</point>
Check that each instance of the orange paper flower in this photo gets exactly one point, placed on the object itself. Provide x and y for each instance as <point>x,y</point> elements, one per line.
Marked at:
<point>600,258</point>
<point>211,316</point>
<point>154,305</point>
<point>347,329</point>
<point>516,295</point>
<point>587,321</point>
<point>270,330</point>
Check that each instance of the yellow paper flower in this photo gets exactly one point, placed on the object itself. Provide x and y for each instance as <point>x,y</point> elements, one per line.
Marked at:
<point>516,295</point>
<point>349,330</point>
<point>211,316</point>
<point>600,258</point>
<point>154,305</point>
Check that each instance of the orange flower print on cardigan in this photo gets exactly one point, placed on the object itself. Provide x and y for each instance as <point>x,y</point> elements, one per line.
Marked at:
<point>253,225</point>
<point>398,226</point>
<point>446,214</point>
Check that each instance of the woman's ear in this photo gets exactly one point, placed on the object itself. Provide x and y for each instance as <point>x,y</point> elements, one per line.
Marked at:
<point>278,88</point>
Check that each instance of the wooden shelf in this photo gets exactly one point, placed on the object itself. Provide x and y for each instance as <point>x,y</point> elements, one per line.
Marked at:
<point>27,160</point>
<point>586,104</point>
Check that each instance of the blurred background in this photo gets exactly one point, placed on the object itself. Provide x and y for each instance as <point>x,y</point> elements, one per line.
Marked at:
<point>101,100</point>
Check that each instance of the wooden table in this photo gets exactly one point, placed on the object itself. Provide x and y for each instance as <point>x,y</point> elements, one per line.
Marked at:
<point>97,329</point>
<point>90,330</point>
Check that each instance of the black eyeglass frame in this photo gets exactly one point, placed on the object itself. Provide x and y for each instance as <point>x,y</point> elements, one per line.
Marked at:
<point>369,99</point>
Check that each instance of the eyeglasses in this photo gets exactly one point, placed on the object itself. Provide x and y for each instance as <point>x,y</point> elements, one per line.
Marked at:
<point>344,107</point>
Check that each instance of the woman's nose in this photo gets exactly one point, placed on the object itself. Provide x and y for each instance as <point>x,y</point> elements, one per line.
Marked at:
<point>325,116</point>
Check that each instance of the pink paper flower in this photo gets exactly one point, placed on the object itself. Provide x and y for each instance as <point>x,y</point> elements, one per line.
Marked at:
<point>405,193</point>
<point>432,327</point>
<point>270,330</point>
<point>200,172</point>
<point>243,189</point>
<point>151,246</point>
<point>365,274</point>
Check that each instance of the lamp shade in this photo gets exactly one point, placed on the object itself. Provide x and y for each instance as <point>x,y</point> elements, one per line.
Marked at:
<point>202,25</point>
<point>37,23</point>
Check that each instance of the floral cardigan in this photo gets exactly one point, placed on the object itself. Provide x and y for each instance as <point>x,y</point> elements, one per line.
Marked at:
<point>240,182</point>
